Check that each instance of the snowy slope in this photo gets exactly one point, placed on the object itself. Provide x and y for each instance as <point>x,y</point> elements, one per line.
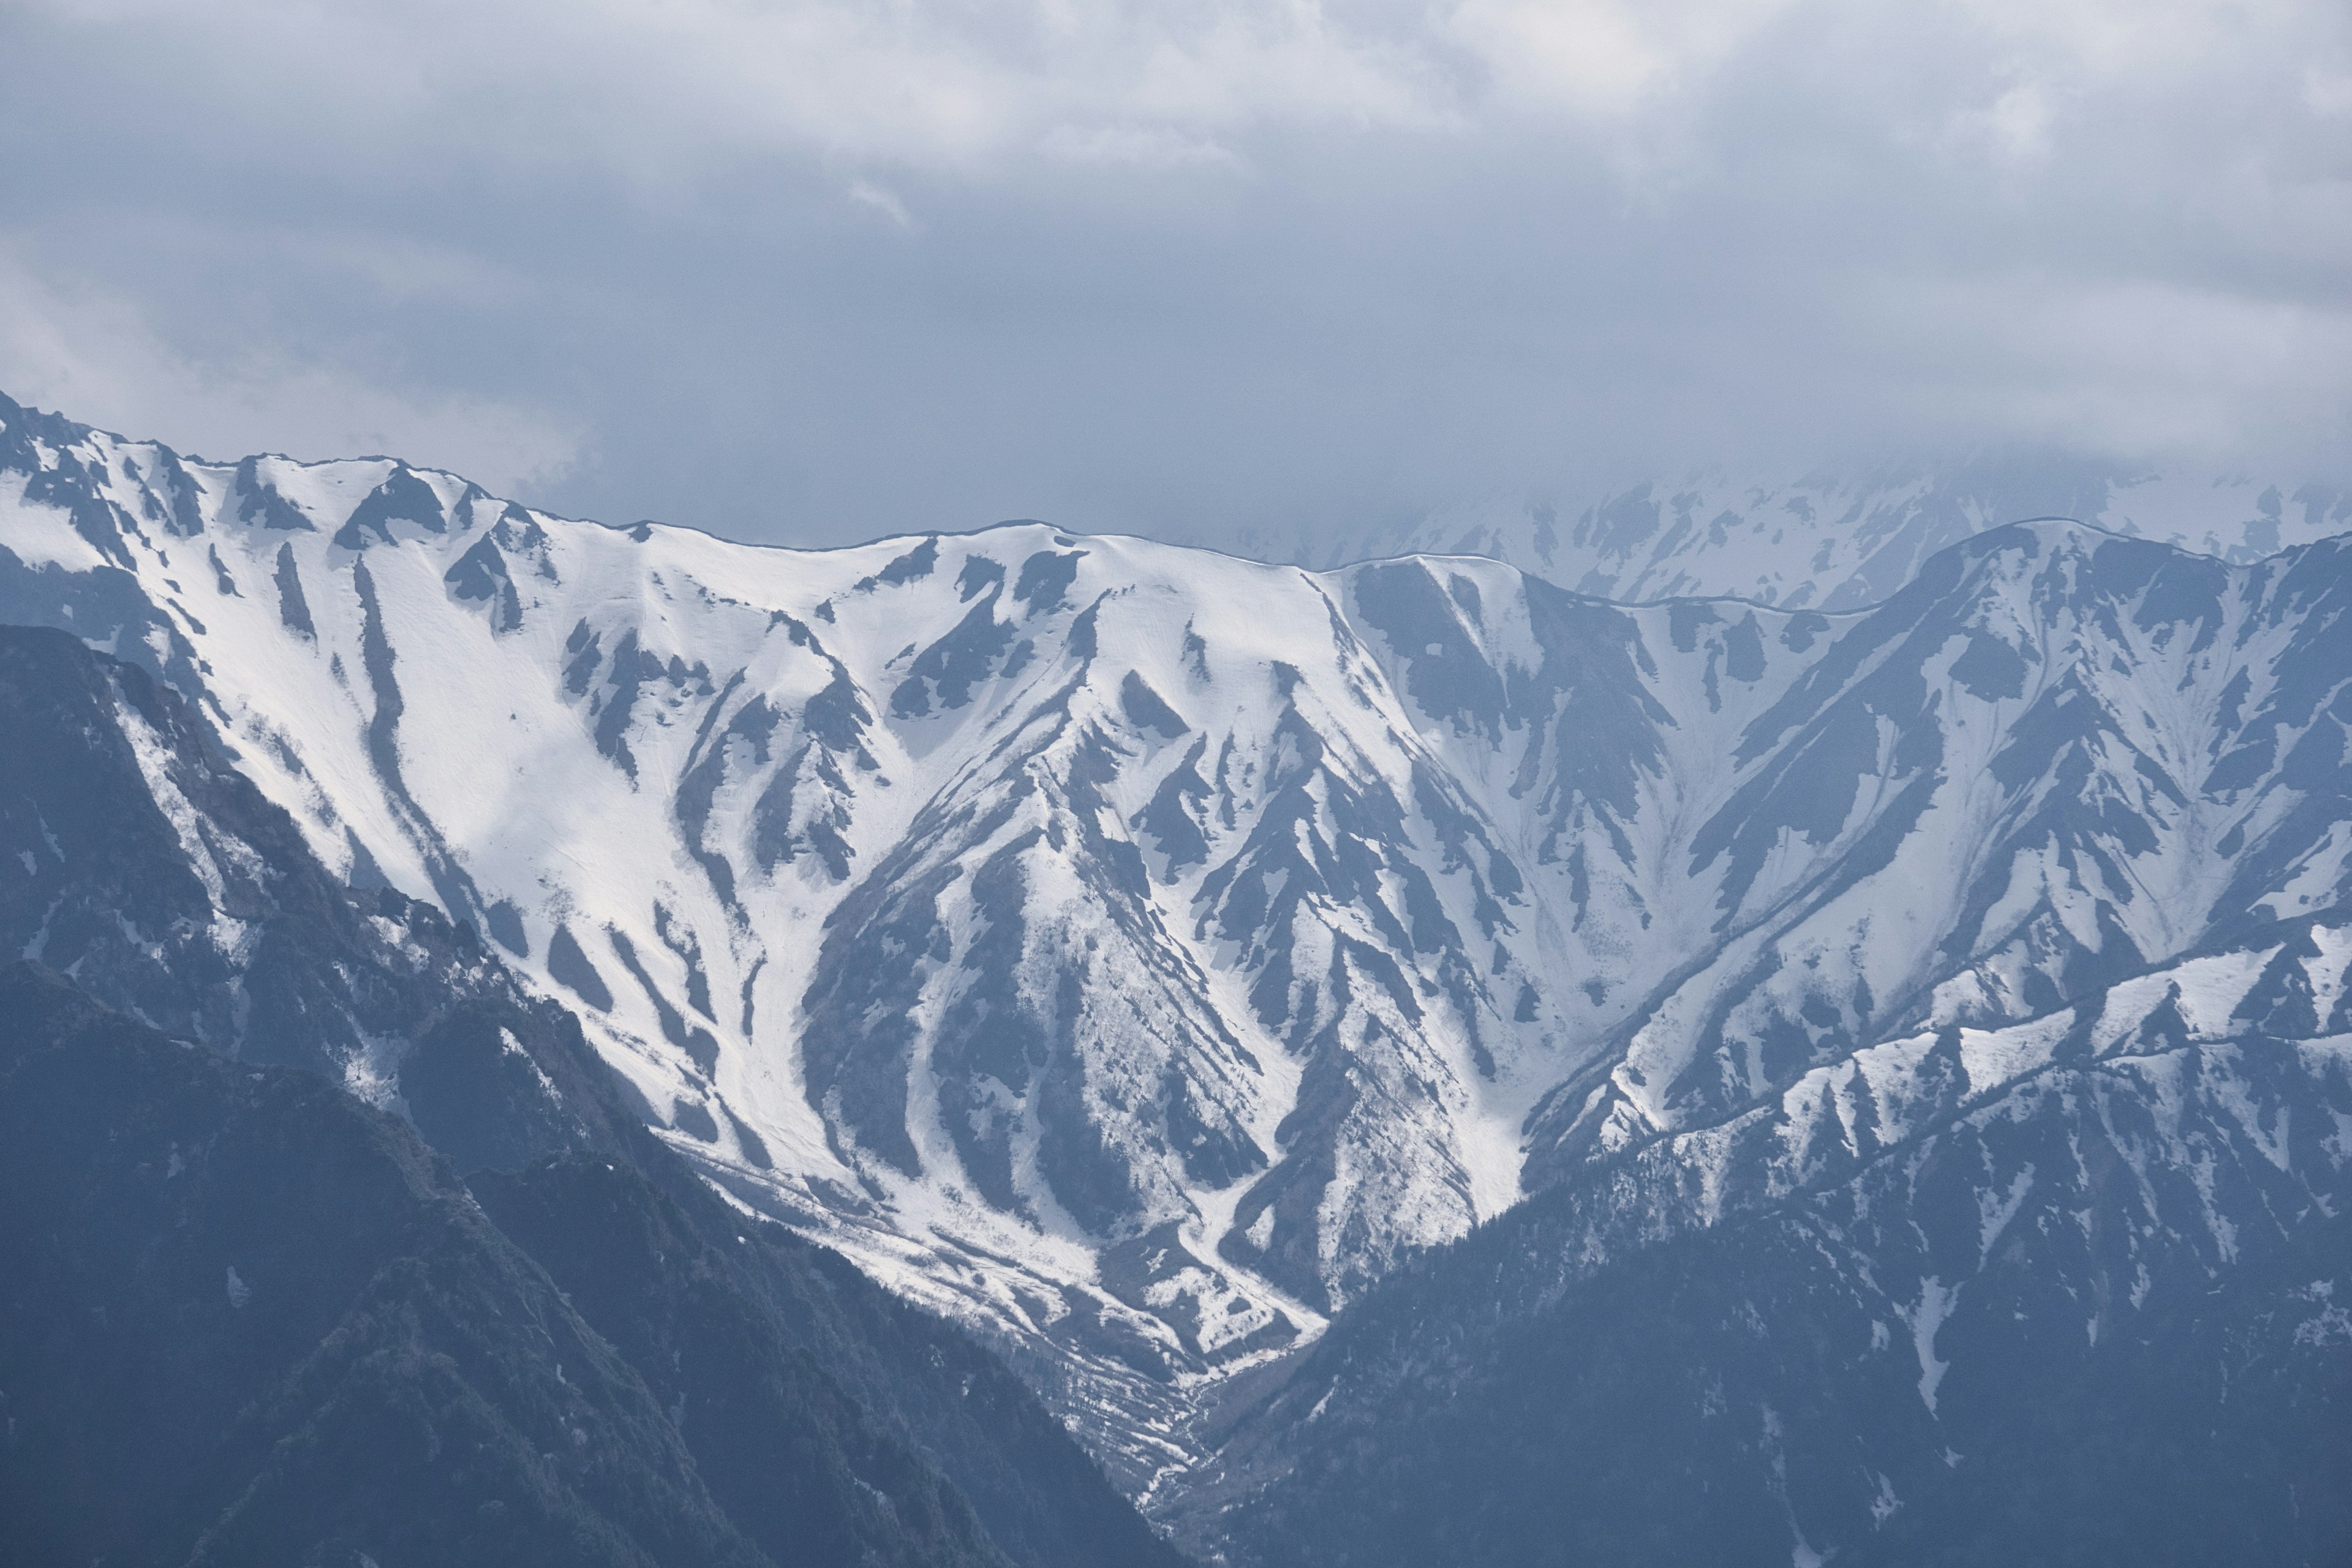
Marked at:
<point>2038,1292</point>
<point>1056,926</point>
<point>1137,951</point>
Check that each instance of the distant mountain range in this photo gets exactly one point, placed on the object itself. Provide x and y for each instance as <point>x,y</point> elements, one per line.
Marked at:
<point>1828,541</point>
<point>1909,988</point>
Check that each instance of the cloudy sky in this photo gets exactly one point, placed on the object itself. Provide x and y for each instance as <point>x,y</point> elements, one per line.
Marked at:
<point>818,271</point>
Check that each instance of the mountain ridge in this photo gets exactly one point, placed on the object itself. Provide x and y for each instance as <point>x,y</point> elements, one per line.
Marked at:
<point>1157,948</point>
<point>2073,1203</point>
<point>1829,540</point>
<point>134,856</point>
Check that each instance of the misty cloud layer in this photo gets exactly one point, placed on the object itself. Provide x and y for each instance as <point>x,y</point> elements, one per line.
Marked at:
<point>809,271</point>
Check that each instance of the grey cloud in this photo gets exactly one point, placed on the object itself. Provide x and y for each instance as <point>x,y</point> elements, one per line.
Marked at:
<point>785,274</point>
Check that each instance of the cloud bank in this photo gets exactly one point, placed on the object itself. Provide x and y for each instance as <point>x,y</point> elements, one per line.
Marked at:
<point>818,271</point>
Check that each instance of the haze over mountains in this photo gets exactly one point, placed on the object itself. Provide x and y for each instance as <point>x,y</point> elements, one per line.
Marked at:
<point>1825,541</point>
<point>1930,962</point>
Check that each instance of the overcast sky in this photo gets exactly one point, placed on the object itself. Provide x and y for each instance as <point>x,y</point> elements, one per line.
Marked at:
<point>816,272</point>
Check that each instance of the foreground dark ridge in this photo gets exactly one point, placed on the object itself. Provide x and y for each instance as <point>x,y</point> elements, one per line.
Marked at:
<point>250,1316</point>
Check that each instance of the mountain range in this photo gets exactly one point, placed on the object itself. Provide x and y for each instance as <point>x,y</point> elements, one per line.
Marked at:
<point>1362,1045</point>
<point>1823,539</point>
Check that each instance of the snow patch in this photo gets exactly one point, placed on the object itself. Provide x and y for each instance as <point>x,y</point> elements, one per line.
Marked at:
<point>1936,1300</point>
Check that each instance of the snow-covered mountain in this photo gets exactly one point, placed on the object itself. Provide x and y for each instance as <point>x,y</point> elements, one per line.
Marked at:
<point>2067,1291</point>
<point>254,1313</point>
<point>1829,541</point>
<point>1138,952</point>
